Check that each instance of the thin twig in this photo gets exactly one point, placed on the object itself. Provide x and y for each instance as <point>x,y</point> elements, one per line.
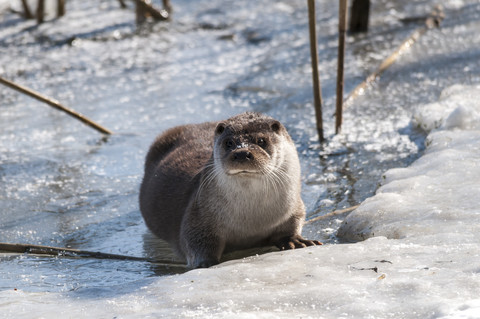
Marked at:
<point>317,91</point>
<point>334,213</point>
<point>122,4</point>
<point>433,20</point>
<point>60,8</point>
<point>75,253</point>
<point>342,27</point>
<point>26,10</point>
<point>54,104</point>
<point>167,7</point>
<point>143,6</point>
<point>40,11</point>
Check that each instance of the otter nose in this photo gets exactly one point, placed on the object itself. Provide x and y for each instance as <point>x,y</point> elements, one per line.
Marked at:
<point>242,156</point>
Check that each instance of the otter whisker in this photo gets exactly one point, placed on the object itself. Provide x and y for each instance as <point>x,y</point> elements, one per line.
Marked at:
<point>209,177</point>
<point>277,178</point>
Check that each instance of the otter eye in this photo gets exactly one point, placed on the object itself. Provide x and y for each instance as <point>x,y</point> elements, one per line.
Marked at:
<point>261,142</point>
<point>230,144</point>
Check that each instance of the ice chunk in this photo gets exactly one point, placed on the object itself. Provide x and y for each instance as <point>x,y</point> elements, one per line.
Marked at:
<point>437,194</point>
<point>458,107</point>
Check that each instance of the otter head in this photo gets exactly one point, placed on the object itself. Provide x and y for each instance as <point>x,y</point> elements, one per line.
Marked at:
<point>248,145</point>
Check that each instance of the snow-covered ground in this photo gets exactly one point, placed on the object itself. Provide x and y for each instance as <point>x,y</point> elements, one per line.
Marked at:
<point>410,251</point>
<point>421,258</point>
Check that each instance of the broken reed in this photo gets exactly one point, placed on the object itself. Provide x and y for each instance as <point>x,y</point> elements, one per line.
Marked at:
<point>55,104</point>
<point>433,20</point>
<point>76,253</point>
<point>142,9</point>
<point>328,215</point>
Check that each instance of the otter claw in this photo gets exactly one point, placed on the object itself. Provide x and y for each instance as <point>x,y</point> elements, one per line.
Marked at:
<point>296,242</point>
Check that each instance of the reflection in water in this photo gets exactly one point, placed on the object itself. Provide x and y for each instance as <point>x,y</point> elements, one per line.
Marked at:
<point>158,249</point>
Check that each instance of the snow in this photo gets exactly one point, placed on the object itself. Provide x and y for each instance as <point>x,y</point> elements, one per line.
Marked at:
<point>409,251</point>
<point>419,258</point>
<point>435,195</point>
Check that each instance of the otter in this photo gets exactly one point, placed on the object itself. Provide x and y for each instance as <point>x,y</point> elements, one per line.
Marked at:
<point>222,186</point>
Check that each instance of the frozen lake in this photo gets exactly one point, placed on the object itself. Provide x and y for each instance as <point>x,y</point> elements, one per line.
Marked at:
<point>62,184</point>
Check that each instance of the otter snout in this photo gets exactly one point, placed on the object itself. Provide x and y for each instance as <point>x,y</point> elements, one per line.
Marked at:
<point>244,161</point>
<point>242,156</point>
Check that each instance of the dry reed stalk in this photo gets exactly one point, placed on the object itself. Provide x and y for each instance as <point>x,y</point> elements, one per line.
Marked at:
<point>123,5</point>
<point>26,10</point>
<point>40,11</point>
<point>317,91</point>
<point>334,213</point>
<point>432,21</point>
<point>143,7</point>
<point>76,253</point>
<point>342,27</point>
<point>60,8</point>
<point>55,104</point>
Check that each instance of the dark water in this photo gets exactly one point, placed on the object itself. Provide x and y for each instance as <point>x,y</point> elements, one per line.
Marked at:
<point>63,184</point>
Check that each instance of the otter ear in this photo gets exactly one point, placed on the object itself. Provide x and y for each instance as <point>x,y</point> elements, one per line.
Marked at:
<point>275,126</point>
<point>220,128</point>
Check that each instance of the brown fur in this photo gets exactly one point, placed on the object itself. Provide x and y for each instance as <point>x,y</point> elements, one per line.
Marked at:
<point>228,185</point>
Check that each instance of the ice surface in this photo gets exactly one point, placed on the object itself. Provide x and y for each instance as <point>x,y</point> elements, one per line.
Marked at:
<point>422,260</point>
<point>61,184</point>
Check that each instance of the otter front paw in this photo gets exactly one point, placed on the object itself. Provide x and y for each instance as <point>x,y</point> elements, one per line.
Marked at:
<point>293,242</point>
